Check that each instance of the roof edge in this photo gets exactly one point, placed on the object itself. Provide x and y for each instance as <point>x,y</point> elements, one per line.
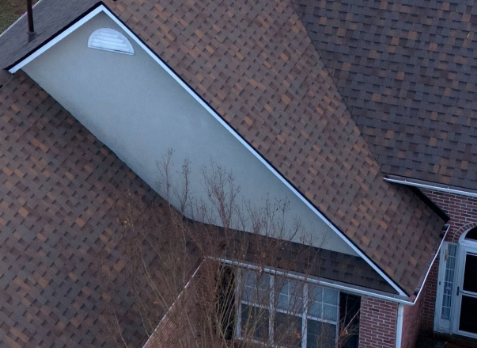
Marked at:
<point>418,292</point>
<point>457,190</point>
<point>12,68</point>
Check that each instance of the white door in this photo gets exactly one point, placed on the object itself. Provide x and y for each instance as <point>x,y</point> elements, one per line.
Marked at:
<point>465,312</point>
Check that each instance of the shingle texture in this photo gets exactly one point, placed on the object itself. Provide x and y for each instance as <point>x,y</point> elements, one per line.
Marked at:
<point>254,63</point>
<point>294,257</point>
<point>408,72</point>
<point>59,194</point>
<point>58,224</point>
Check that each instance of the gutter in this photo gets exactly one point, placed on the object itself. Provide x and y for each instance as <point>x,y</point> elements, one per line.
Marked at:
<point>314,280</point>
<point>430,186</point>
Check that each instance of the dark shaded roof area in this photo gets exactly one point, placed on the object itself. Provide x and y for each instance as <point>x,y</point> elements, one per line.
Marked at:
<point>295,257</point>
<point>256,66</point>
<point>408,72</point>
<point>60,189</point>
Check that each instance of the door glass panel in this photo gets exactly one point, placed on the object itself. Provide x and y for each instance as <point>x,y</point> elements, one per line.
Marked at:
<point>468,316</point>
<point>470,275</point>
<point>448,282</point>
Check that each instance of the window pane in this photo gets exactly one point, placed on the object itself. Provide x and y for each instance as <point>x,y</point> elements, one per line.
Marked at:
<point>472,234</point>
<point>287,330</point>
<point>254,323</point>
<point>290,295</point>
<point>330,296</point>
<point>468,317</point>
<point>320,335</point>
<point>315,298</point>
<point>255,287</point>
<point>470,278</point>
<point>330,312</point>
<point>448,282</point>
<point>323,303</point>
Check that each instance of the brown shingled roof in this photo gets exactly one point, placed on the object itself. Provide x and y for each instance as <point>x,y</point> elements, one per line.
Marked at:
<point>408,72</point>
<point>59,190</point>
<point>256,66</point>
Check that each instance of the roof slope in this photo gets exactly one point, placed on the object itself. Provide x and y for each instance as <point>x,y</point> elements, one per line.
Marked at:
<point>59,194</point>
<point>254,63</point>
<point>408,72</point>
<point>59,187</point>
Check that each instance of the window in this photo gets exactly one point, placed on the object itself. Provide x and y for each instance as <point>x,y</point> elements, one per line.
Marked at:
<point>448,282</point>
<point>283,312</point>
<point>107,39</point>
<point>456,302</point>
<point>472,234</point>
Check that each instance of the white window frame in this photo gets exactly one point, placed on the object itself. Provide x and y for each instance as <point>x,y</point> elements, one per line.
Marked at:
<point>465,247</point>
<point>272,308</point>
<point>440,324</point>
<point>451,326</point>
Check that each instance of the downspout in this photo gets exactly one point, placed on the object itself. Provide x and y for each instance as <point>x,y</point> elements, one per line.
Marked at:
<point>400,317</point>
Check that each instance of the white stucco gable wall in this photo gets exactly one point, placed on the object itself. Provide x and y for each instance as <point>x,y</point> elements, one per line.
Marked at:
<point>139,111</point>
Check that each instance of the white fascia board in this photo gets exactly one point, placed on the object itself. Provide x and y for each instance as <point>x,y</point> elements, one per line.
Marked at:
<point>430,186</point>
<point>105,10</point>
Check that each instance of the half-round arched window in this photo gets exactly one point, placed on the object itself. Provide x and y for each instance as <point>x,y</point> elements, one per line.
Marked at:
<point>472,234</point>
<point>108,39</point>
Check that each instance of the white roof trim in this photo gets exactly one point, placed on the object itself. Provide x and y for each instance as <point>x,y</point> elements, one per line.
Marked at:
<point>430,186</point>
<point>105,10</point>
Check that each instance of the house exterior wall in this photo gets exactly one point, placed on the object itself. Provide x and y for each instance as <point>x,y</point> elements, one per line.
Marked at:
<point>377,323</point>
<point>462,211</point>
<point>411,324</point>
<point>140,112</point>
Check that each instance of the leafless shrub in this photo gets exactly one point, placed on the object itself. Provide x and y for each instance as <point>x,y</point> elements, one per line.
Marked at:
<point>210,285</point>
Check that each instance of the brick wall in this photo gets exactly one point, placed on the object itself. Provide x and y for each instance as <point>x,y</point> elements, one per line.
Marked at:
<point>462,211</point>
<point>429,294</point>
<point>411,324</point>
<point>378,320</point>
